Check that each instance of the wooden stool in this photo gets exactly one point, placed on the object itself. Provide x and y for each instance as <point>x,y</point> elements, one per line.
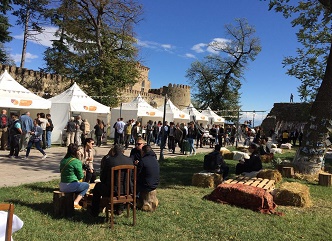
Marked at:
<point>63,203</point>
<point>325,179</point>
<point>148,201</point>
<point>287,172</point>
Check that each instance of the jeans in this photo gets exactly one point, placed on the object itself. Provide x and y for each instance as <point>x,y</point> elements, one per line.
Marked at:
<point>37,145</point>
<point>191,144</point>
<point>48,138</point>
<point>77,187</point>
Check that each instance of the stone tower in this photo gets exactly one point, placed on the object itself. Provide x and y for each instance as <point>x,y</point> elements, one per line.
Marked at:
<point>179,95</point>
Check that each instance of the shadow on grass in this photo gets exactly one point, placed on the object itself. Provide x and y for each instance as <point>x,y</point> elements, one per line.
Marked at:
<point>39,188</point>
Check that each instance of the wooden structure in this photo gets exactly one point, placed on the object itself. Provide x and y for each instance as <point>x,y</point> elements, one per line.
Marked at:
<point>124,193</point>
<point>8,207</point>
<point>325,179</point>
<point>287,172</point>
<point>63,204</point>
<point>148,201</point>
<point>266,184</point>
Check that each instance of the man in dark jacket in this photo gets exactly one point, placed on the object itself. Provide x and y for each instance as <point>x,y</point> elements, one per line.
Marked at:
<point>214,162</point>
<point>148,171</point>
<point>103,188</point>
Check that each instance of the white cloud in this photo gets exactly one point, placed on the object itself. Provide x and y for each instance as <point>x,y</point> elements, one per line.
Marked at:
<point>155,45</point>
<point>190,56</point>
<point>28,57</point>
<point>198,48</point>
<point>44,38</point>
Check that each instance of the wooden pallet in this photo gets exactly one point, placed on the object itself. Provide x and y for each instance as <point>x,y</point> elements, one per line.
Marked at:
<point>266,184</point>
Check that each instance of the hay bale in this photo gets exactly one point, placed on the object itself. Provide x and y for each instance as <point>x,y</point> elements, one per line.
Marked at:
<point>242,149</point>
<point>292,194</point>
<point>266,158</point>
<point>206,179</point>
<point>276,150</point>
<point>286,146</point>
<point>228,156</point>
<point>224,150</point>
<point>238,155</point>
<point>270,174</point>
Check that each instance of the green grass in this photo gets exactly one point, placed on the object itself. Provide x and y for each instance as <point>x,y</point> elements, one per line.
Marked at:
<point>181,215</point>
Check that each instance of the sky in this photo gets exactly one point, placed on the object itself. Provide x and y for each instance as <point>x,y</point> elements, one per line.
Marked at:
<point>174,33</point>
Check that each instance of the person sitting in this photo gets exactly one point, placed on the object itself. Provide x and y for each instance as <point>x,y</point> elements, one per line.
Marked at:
<point>103,188</point>
<point>71,172</point>
<point>135,153</point>
<point>147,171</point>
<point>252,164</point>
<point>214,162</point>
<point>263,148</point>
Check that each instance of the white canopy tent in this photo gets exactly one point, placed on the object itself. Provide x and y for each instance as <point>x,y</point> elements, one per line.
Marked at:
<point>174,114</point>
<point>73,102</point>
<point>195,115</point>
<point>15,97</point>
<point>213,117</point>
<point>137,109</point>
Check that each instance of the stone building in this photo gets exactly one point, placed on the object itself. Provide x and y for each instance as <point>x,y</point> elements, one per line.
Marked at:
<point>48,85</point>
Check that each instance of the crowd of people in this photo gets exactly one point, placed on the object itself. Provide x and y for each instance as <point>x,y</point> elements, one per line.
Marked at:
<point>18,133</point>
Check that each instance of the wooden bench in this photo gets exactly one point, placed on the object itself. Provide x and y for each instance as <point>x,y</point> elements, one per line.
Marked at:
<point>266,184</point>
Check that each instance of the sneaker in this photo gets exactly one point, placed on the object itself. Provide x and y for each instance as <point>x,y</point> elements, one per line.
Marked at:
<point>77,207</point>
<point>44,156</point>
<point>24,158</point>
<point>11,157</point>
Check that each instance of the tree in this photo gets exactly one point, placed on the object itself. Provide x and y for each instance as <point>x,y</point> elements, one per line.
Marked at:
<point>216,80</point>
<point>30,15</point>
<point>314,35</point>
<point>97,45</point>
<point>4,33</point>
<point>310,155</point>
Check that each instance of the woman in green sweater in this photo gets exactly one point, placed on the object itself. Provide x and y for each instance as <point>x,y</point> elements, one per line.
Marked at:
<point>71,174</point>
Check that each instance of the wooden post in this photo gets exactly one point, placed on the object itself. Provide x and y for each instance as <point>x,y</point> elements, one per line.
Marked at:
<point>287,172</point>
<point>63,203</point>
<point>325,179</point>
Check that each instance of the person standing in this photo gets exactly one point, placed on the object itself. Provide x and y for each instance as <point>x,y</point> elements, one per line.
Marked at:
<point>27,125</point>
<point>171,139</point>
<point>43,123</point>
<point>291,98</point>
<point>191,137</point>
<point>99,131</point>
<point>178,134</point>
<point>85,130</point>
<point>102,188</point>
<point>49,129</point>
<point>71,129</point>
<point>15,136</point>
<point>90,175</point>
<point>149,132</point>
<point>35,138</point>
<point>127,132</point>
<point>4,129</point>
<point>78,134</point>
<point>119,127</point>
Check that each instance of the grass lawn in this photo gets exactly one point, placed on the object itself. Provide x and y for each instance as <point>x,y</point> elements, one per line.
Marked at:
<point>182,213</point>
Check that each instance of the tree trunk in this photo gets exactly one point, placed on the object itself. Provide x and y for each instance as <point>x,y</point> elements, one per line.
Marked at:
<point>25,37</point>
<point>309,158</point>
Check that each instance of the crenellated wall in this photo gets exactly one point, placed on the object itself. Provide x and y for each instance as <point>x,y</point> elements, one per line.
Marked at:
<point>49,85</point>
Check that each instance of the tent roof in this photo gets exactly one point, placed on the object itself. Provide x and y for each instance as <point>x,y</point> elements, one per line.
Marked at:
<point>172,109</point>
<point>192,111</point>
<point>216,118</point>
<point>142,107</point>
<point>79,101</point>
<point>14,95</point>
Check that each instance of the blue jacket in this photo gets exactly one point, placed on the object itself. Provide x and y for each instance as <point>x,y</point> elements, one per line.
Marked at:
<point>27,123</point>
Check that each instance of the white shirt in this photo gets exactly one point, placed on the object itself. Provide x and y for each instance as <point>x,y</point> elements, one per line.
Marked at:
<point>17,224</point>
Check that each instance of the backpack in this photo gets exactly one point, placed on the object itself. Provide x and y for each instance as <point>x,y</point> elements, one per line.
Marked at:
<point>4,121</point>
<point>211,161</point>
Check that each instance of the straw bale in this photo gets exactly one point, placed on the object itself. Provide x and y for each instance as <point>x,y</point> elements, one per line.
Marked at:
<point>242,148</point>
<point>228,156</point>
<point>292,194</point>
<point>206,179</point>
<point>224,150</point>
<point>270,174</point>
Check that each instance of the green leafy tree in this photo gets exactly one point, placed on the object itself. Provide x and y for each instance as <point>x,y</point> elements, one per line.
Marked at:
<point>4,31</point>
<point>310,156</point>
<point>97,45</point>
<point>30,15</point>
<point>216,80</point>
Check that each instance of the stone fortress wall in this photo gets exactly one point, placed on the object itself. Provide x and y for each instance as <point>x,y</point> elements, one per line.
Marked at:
<point>48,85</point>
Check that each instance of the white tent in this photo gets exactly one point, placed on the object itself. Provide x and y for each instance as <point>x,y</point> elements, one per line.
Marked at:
<point>174,114</point>
<point>16,97</point>
<point>137,109</point>
<point>195,115</point>
<point>73,102</point>
<point>213,117</point>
